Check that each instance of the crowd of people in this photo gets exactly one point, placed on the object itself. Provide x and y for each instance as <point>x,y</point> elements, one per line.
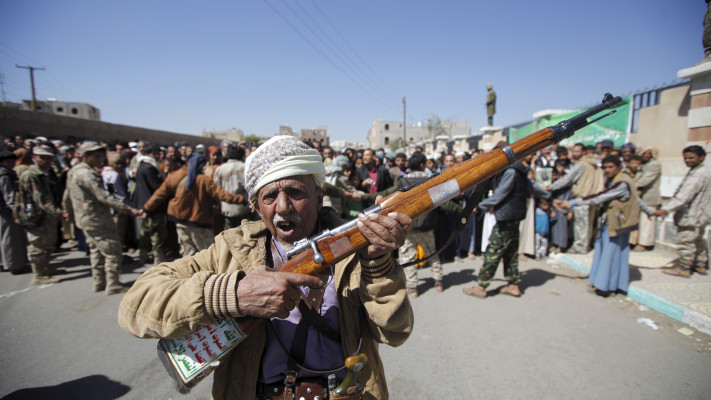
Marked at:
<point>220,221</point>
<point>165,202</point>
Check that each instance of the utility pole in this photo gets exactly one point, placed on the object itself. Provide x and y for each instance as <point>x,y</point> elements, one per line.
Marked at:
<point>32,82</point>
<point>404,124</point>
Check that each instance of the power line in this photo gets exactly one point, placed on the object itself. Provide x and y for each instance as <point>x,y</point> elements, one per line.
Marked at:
<point>324,55</point>
<point>338,52</point>
<point>53,81</point>
<point>384,84</point>
<point>27,59</point>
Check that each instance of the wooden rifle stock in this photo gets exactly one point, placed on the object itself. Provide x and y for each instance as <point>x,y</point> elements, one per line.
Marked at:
<point>427,195</point>
<point>187,369</point>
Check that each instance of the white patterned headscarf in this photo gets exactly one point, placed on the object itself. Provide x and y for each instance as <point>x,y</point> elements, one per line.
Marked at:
<point>281,157</point>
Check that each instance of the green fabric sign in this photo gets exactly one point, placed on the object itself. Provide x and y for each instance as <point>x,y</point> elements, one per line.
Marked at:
<point>613,127</point>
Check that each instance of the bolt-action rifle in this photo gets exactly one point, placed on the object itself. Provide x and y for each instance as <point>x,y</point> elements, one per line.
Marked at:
<point>191,358</point>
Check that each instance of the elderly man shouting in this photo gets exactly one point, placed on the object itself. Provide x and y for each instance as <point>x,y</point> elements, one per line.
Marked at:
<point>357,303</point>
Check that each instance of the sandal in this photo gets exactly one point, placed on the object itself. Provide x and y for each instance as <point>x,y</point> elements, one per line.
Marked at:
<point>678,271</point>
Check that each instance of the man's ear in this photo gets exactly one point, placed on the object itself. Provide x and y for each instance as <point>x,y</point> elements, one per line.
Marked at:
<point>255,207</point>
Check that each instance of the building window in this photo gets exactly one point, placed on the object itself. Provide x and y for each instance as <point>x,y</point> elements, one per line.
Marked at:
<point>75,111</point>
<point>60,109</point>
<point>387,127</point>
<point>642,100</point>
<point>387,140</point>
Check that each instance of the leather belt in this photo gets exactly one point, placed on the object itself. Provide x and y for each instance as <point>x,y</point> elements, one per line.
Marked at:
<point>304,389</point>
<point>307,389</point>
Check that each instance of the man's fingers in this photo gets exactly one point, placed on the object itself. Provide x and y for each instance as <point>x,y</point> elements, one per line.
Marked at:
<point>404,220</point>
<point>381,227</point>
<point>295,279</point>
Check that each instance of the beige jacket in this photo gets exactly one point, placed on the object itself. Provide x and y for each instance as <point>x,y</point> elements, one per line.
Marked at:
<point>591,181</point>
<point>169,300</point>
<point>648,182</point>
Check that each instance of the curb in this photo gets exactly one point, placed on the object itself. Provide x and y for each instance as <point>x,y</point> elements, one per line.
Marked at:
<point>575,264</point>
<point>658,303</point>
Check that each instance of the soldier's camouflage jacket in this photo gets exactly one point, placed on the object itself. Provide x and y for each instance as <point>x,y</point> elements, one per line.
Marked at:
<point>88,201</point>
<point>36,181</point>
<point>692,199</point>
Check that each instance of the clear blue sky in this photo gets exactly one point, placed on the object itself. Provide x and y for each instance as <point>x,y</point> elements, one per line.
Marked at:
<point>185,66</point>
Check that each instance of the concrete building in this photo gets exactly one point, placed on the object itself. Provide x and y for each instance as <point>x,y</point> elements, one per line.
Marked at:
<point>234,135</point>
<point>316,135</point>
<point>319,134</point>
<point>286,130</point>
<point>389,134</point>
<point>64,108</point>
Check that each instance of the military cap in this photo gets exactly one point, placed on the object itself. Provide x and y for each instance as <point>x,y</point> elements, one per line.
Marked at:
<point>88,147</point>
<point>42,150</point>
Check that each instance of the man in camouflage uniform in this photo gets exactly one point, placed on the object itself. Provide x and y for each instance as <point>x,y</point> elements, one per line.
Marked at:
<point>490,104</point>
<point>43,238</point>
<point>691,207</point>
<point>508,203</point>
<point>91,206</point>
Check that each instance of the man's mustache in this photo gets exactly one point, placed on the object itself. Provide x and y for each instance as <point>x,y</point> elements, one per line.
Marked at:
<point>292,217</point>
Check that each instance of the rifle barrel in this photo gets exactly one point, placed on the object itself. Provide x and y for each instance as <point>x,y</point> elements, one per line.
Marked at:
<point>433,192</point>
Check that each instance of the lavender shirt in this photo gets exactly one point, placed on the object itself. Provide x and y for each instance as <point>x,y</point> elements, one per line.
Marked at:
<point>321,352</point>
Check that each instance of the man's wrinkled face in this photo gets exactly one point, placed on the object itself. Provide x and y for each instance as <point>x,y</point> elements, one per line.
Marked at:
<point>647,155</point>
<point>289,207</point>
<point>692,159</point>
<point>327,152</point>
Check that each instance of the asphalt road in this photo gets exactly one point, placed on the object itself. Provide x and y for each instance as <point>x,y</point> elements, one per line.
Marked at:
<point>557,341</point>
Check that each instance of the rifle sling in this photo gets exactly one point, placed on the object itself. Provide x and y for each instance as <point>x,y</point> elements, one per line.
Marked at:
<point>472,201</point>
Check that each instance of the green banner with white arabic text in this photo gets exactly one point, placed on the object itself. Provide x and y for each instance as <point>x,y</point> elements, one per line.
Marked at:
<point>613,127</point>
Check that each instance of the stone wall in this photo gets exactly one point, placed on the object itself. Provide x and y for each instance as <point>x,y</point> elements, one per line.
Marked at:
<point>24,123</point>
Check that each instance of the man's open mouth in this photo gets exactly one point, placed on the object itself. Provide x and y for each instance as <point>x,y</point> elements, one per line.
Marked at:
<point>286,226</point>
